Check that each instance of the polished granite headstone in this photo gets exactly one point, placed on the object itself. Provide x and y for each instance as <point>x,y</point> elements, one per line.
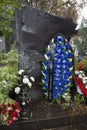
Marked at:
<point>34,31</point>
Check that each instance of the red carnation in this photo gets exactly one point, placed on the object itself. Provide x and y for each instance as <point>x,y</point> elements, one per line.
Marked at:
<point>10,122</point>
<point>20,109</point>
<point>11,112</point>
<point>9,104</point>
<point>15,105</point>
<point>29,101</point>
<point>9,108</point>
<point>81,66</point>
<point>14,118</point>
<point>1,105</point>
<point>15,114</point>
<point>3,111</point>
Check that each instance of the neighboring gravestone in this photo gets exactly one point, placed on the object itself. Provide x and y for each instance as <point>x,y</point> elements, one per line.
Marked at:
<point>34,30</point>
<point>2,45</point>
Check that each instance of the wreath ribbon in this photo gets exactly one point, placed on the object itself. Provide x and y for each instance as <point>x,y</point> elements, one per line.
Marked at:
<point>81,85</point>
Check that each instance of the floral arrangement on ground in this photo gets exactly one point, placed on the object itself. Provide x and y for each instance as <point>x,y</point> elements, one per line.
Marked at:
<point>12,79</point>
<point>81,78</point>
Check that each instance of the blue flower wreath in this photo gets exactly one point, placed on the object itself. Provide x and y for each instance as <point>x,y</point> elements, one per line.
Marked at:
<point>62,69</point>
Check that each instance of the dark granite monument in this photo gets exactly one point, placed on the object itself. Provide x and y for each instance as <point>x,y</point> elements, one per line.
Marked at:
<point>34,31</point>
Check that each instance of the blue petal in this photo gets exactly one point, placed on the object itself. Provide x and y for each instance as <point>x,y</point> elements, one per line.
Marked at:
<point>45,86</point>
<point>70,64</point>
<point>67,45</point>
<point>59,39</point>
<point>55,95</point>
<point>48,54</point>
<point>68,81</point>
<point>62,92</point>
<point>66,88</point>
<point>47,63</point>
<point>46,79</point>
<point>55,83</point>
<point>69,73</point>
<point>70,54</point>
<point>66,76</point>
<point>46,72</point>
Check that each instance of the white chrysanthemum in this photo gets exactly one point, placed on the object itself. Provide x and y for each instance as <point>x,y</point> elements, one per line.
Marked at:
<point>4,86</point>
<point>86,86</point>
<point>71,69</point>
<point>4,83</point>
<point>17,90</point>
<point>23,103</point>
<point>84,78</point>
<point>83,75</point>
<point>48,47</point>
<point>79,90</point>
<point>20,72</point>
<point>77,72</point>
<point>25,80</point>
<point>80,76</point>
<point>25,76</point>
<point>69,59</point>
<point>29,84</point>
<point>84,81</point>
<point>70,77</point>
<point>81,71</point>
<point>46,57</point>
<point>32,78</point>
<point>65,94</point>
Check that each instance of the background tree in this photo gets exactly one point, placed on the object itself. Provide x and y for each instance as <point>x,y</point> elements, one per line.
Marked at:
<point>7,16</point>
<point>64,8</point>
<point>81,39</point>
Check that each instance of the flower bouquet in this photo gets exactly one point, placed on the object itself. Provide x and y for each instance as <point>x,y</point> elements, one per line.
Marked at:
<point>12,83</point>
<point>22,90</point>
<point>24,84</point>
<point>9,108</point>
<point>10,111</point>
